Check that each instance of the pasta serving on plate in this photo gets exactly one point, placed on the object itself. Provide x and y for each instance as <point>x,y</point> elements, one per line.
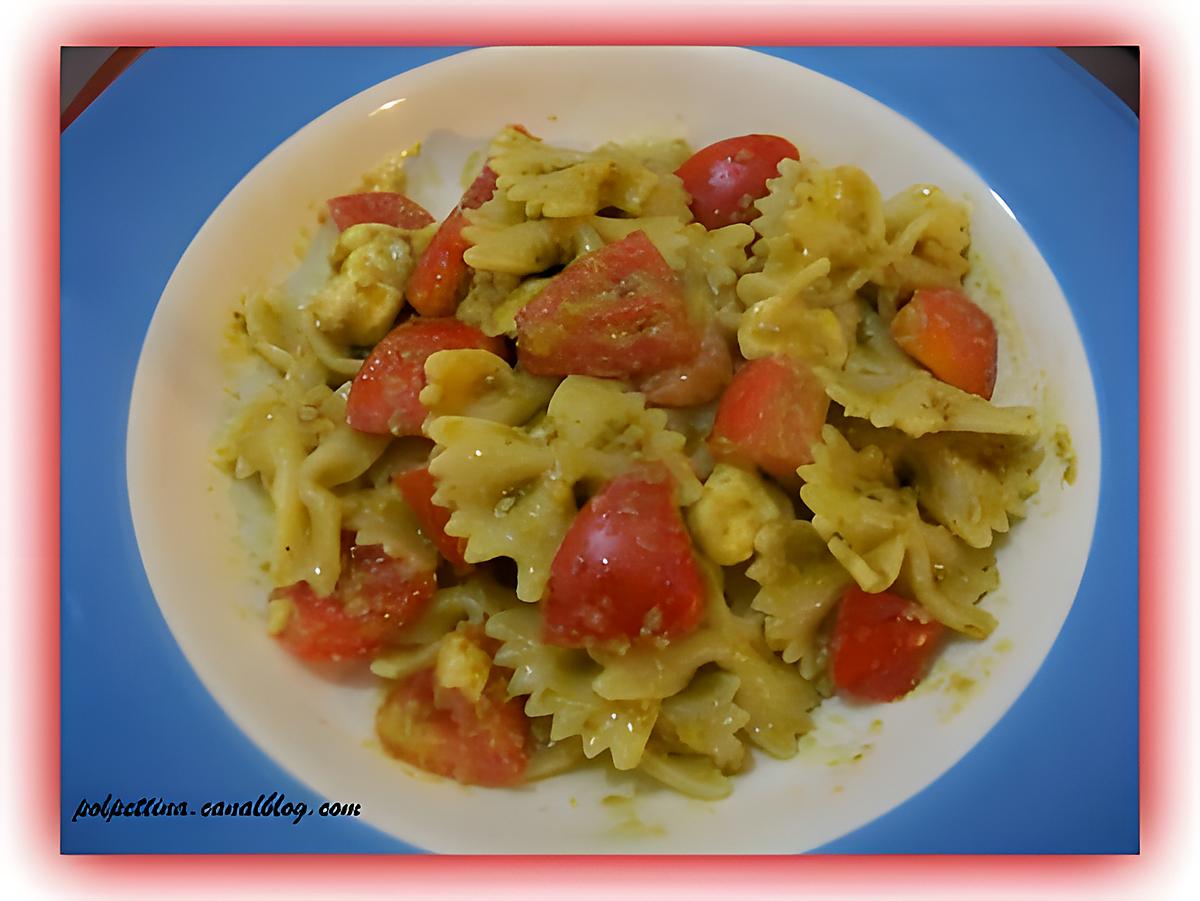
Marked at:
<point>634,457</point>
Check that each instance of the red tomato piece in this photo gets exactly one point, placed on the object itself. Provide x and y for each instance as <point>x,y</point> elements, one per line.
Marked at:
<point>944,331</point>
<point>441,277</point>
<point>697,381</point>
<point>384,207</point>
<point>770,416</point>
<point>625,569</point>
<point>440,730</point>
<point>480,191</point>
<point>618,312</point>
<point>375,596</point>
<point>417,487</point>
<point>881,645</point>
<point>384,397</point>
<point>726,178</point>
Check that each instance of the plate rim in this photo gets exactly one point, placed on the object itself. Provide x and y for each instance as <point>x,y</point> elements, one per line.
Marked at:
<point>965,160</point>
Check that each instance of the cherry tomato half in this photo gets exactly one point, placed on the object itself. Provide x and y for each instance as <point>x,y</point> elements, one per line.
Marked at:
<point>726,178</point>
<point>625,569</point>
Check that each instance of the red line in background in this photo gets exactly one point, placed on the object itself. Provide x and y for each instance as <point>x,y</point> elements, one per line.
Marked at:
<point>120,60</point>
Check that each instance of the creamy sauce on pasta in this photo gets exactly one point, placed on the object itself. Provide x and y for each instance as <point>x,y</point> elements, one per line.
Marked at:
<point>906,482</point>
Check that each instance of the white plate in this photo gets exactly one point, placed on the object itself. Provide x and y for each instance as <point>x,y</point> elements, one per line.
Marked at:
<point>848,773</point>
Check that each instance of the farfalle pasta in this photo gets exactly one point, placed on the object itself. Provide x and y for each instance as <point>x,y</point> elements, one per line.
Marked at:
<point>800,583</point>
<point>631,459</point>
<point>558,683</point>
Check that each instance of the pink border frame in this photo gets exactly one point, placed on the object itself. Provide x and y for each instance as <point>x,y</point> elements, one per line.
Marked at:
<point>1162,667</point>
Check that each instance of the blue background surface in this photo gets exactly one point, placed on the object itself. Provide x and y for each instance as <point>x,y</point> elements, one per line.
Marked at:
<point>147,163</point>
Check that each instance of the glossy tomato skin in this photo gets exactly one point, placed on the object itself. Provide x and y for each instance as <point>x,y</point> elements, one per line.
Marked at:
<point>441,277</point>
<point>375,596</point>
<point>625,571</point>
<point>485,742</point>
<point>725,178</point>
<point>417,487</point>
<point>385,395</point>
<point>383,207</point>
<point>618,312</point>
<point>695,382</point>
<point>943,330</point>
<point>882,645</point>
<point>770,416</point>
